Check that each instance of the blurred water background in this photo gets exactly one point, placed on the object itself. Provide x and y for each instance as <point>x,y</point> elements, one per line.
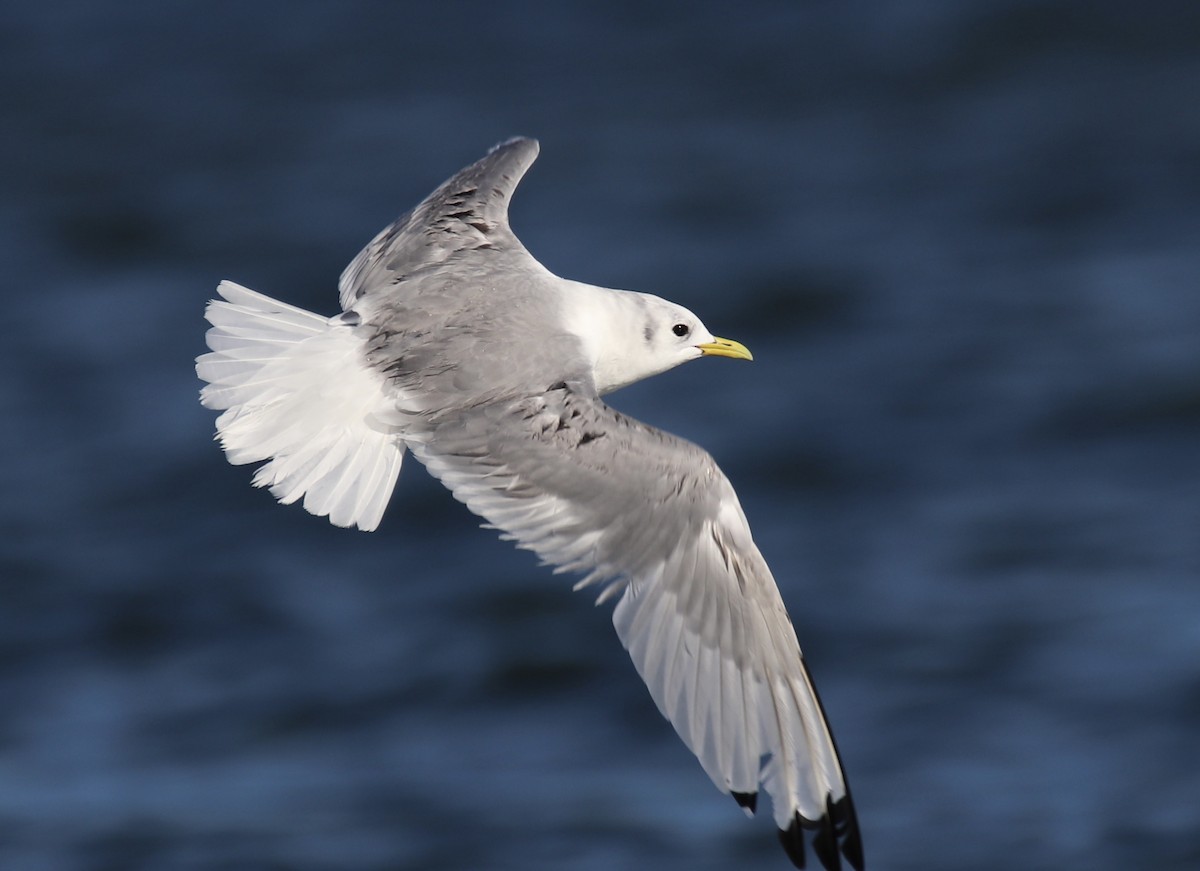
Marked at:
<point>961,239</point>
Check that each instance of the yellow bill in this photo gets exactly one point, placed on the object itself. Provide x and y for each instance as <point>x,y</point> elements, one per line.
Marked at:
<point>725,348</point>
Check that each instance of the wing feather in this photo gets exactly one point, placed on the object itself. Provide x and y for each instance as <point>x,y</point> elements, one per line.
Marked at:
<point>653,517</point>
<point>468,211</point>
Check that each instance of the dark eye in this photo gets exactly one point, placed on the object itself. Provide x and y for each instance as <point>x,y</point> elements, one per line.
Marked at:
<point>681,330</point>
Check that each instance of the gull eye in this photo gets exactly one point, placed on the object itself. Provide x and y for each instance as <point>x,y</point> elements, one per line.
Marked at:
<point>681,330</point>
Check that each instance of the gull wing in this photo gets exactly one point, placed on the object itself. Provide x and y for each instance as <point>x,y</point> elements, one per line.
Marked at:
<point>467,212</point>
<point>652,519</point>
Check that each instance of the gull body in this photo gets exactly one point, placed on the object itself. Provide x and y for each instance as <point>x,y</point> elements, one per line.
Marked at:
<point>456,345</point>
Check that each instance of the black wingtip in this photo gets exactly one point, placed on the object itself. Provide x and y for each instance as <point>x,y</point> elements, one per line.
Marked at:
<point>846,822</point>
<point>825,845</point>
<point>792,839</point>
<point>748,800</point>
<point>836,836</point>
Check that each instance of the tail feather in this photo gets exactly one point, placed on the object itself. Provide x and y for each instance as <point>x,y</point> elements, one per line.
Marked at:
<point>294,391</point>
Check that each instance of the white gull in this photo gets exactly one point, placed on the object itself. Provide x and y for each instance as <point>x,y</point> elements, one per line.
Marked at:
<point>454,343</point>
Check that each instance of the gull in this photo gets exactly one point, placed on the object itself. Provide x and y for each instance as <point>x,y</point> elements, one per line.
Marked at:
<point>456,345</point>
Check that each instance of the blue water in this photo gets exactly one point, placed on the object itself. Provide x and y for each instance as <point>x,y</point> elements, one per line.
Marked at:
<point>962,241</point>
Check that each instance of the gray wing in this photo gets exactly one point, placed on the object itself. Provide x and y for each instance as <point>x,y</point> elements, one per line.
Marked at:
<point>653,518</point>
<point>468,211</point>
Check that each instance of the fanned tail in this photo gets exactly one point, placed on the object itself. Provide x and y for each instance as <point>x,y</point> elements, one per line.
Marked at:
<point>295,390</point>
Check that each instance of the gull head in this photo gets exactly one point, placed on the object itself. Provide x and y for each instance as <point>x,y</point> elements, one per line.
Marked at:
<point>629,336</point>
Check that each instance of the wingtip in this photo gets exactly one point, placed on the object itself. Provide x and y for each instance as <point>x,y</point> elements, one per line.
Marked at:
<point>846,825</point>
<point>516,141</point>
<point>747,801</point>
<point>837,836</point>
<point>792,839</point>
<point>825,845</point>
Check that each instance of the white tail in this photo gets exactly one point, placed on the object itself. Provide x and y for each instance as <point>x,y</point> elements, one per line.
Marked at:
<point>296,391</point>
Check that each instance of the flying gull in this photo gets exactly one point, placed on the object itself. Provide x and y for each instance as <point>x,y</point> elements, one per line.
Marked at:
<point>454,343</point>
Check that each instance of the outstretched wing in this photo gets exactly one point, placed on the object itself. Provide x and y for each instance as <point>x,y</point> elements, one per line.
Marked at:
<point>468,211</point>
<point>654,520</point>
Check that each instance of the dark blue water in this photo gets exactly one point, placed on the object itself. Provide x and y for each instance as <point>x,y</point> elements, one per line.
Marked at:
<point>962,241</point>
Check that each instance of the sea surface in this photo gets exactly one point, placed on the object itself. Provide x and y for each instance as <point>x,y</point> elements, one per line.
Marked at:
<point>962,240</point>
